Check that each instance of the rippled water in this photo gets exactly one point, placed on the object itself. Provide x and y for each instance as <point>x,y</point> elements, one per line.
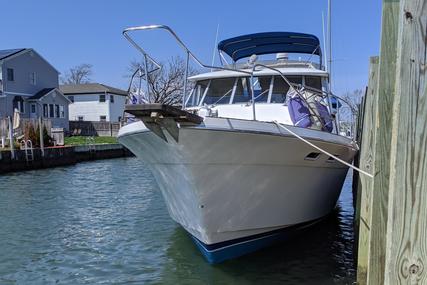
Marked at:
<point>105,222</point>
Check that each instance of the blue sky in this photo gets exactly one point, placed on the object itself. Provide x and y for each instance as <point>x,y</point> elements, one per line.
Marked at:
<point>68,33</point>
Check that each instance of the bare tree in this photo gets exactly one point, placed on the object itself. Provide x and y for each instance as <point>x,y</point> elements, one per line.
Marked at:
<point>351,106</point>
<point>79,74</point>
<point>166,85</point>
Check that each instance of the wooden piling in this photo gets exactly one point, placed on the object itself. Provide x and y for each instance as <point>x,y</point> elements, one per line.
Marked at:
<point>366,162</point>
<point>406,250</point>
<point>393,205</point>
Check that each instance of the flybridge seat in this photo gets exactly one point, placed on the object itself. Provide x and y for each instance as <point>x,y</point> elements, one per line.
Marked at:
<point>270,43</point>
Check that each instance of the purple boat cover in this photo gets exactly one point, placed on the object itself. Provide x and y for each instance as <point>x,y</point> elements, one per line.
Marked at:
<point>300,114</point>
<point>325,116</point>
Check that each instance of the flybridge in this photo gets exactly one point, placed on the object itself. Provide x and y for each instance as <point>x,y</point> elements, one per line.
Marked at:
<point>270,43</point>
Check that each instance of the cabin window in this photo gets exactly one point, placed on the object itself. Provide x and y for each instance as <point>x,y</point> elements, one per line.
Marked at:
<point>71,98</point>
<point>313,82</point>
<point>103,118</point>
<point>111,99</point>
<point>261,86</point>
<point>102,98</point>
<point>80,118</point>
<point>219,91</point>
<point>281,88</point>
<point>33,108</point>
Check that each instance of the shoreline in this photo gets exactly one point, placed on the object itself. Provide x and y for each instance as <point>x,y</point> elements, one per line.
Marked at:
<point>60,156</point>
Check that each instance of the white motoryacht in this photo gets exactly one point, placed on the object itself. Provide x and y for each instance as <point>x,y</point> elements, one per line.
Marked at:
<point>244,162</point>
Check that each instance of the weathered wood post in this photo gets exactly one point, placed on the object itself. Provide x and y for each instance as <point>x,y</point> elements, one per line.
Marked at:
<point>393,229</point>
<point>366,163</point>
<point>406,250</point>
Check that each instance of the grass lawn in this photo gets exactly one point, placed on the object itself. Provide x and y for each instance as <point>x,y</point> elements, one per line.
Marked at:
<point>81,140</point>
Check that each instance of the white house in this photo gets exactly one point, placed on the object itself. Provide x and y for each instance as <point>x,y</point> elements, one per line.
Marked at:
<point>94,102</point>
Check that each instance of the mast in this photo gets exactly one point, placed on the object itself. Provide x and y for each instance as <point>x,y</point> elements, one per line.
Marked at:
<point>330,43</point>
<point>325,53</point>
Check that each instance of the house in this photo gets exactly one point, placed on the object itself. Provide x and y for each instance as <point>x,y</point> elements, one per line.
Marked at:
<point>29,84</point>
<point>95,102</point>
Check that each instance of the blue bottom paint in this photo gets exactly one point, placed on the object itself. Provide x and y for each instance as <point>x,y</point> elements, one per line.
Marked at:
<point>219,252</point>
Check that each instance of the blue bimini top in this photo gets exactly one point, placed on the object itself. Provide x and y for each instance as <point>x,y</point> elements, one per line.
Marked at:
<point>269,43</point>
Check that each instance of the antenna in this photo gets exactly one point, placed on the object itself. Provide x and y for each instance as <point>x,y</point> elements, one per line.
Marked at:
<point>325,55</point>
<point>214,48</point>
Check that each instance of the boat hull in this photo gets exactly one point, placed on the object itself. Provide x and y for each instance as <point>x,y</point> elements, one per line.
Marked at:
<point>231,179</point>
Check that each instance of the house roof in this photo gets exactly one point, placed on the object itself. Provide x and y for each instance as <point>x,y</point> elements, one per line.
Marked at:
<point>45,92</point>
<point>9,52</point>
<point>90,88</point>
<point>41,93</point>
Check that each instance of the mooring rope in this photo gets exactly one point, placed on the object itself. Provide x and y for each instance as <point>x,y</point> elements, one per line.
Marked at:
<point>323,151</point>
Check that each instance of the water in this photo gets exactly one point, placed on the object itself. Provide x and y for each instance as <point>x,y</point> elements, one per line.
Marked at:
<point>105,222</point>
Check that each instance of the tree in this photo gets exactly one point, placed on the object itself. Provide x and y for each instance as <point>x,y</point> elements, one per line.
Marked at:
<point>351,106</point>
<point>166,84</point>
<point>79,74</point>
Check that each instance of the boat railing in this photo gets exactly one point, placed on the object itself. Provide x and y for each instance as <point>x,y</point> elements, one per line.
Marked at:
<point>328,95</point>
<point>191,56</point>
<point>188,52</point>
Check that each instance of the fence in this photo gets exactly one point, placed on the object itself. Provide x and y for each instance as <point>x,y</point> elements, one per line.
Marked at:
<point>20,130</point>
<point>102,129</point>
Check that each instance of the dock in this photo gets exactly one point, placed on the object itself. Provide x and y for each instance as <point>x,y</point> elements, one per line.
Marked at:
<point>391,208</point>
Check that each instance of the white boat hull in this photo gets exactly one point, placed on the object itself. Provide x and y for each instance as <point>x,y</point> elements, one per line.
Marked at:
<point>229,179</point>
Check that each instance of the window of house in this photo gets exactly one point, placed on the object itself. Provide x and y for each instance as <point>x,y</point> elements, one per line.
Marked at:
<point>71,98</point>
<point>10,74</point>
<point>62,111</point>
<point>102,98</point>
<point>33,79</point>
<point>80,118</point>
<point>33,108</point>
<point>111,98</point>
<point>56,111</point>
<point>45,111</point>
<point>51,111</point>
<point>103,118</point>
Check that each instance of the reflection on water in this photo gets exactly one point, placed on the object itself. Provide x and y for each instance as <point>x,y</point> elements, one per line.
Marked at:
<point>105,222</point>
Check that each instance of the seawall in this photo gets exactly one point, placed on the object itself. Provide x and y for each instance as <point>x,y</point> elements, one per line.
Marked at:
<point>59,156</point>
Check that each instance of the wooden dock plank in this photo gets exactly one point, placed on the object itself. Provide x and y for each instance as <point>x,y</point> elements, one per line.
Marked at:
<point>407,216</point>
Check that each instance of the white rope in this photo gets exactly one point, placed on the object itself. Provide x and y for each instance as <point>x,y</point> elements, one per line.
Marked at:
<point>324,151</point>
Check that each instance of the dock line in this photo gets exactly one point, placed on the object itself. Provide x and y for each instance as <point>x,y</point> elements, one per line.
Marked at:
<point>324,151</point>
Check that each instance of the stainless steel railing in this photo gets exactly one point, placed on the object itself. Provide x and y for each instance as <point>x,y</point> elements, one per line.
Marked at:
<point>190,55</point>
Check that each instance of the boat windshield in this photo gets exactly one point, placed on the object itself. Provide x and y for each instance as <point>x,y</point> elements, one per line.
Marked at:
<point>235,90</point>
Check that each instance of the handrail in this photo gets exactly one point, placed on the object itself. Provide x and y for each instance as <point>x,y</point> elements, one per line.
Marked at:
<point>180,42</point>
<point>190,54</point>
<point>291,86</point>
